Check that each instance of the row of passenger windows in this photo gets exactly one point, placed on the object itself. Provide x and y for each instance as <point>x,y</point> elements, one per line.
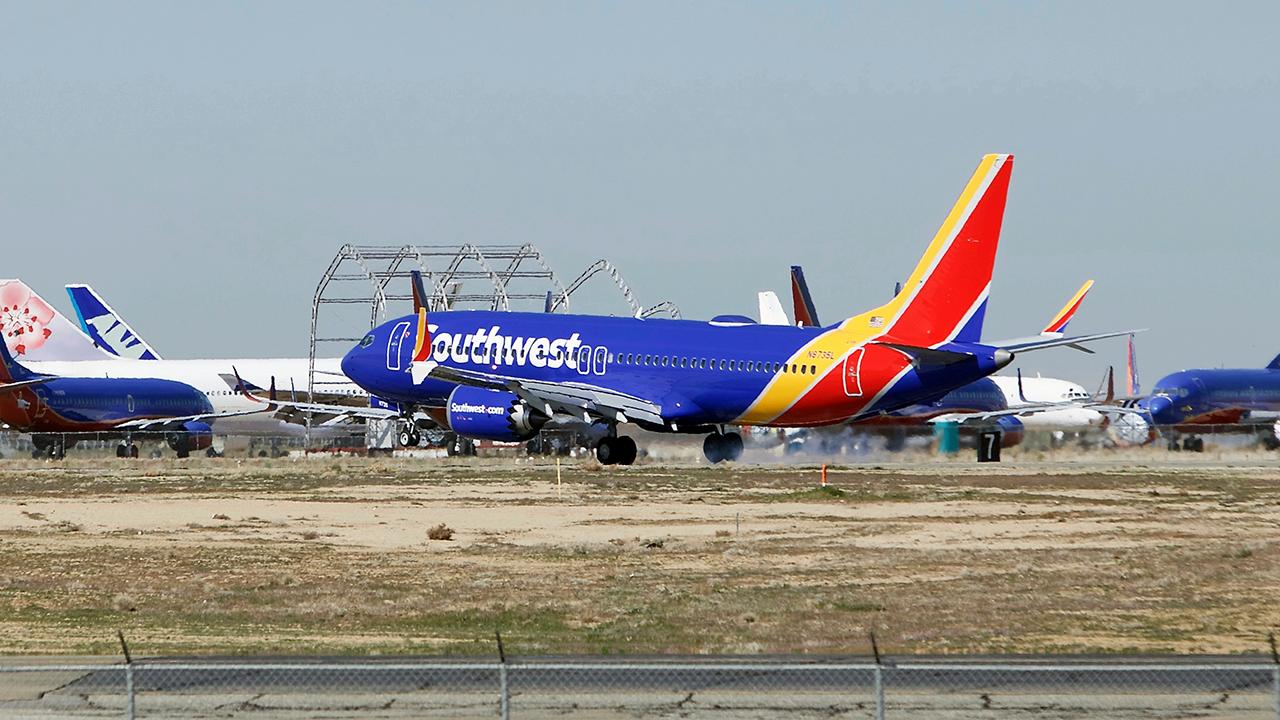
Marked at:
<point>674,361</point>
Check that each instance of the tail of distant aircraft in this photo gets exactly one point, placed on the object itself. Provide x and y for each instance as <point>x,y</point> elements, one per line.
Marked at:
<point>802,302</point>
<point>34,331</point>
<point>771,312</point>
<point>945,297</point>
<point>1058,325</point>
<point>104,325</point>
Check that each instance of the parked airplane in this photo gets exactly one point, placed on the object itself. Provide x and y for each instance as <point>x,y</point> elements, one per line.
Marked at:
<point>503,375</point>
<point>48,406</point>
<point>1202,401</point>
<point>65,350</point>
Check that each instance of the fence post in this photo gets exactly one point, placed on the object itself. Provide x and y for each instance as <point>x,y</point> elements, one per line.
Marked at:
<point>879,677</point>
<point>504,693</point>
<point>128,677</point>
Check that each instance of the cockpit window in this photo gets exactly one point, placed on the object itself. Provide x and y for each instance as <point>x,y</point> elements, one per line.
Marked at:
<point>366,341</point>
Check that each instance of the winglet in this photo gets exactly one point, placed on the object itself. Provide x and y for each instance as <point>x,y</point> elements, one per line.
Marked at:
<point>805,311</point>
<point>1058,325</point>
<point>1275,364</point>
<point>422,363</point>
<point>419,290</point>
<point>1132,387</point>
<point>11,370</point>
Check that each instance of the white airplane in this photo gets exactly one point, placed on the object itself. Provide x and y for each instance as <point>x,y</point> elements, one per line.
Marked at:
<point>47,342</point>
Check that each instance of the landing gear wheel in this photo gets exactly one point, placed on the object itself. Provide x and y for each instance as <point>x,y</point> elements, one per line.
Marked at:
<point>626,449</point>
<point>713,448</point>
<point>607,451</point>
<point>211,452</point>
<point>1193,444</point>
<point>732,446</point>
<point>133,451</point>
<point>409,438</point>
<point>122,450</point>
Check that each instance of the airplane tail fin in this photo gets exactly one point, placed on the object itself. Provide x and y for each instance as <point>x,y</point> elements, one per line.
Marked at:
<point>945,297</point>
<point>771,312</point>
<point>105,327</point>
<point>34,331</point>
<point>1058,325</point>
<point>1275,364</point>
<point>805,311</point>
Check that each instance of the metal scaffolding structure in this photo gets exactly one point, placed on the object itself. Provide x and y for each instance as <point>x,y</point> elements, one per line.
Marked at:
<point>492,277</point>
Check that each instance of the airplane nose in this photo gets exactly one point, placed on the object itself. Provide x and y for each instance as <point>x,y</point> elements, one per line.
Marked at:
<point>1158,407</point>
<point>351,366</point>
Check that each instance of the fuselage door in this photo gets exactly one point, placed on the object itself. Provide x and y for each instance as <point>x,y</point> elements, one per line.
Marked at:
<point>396,345</point>
<point>852,373</point>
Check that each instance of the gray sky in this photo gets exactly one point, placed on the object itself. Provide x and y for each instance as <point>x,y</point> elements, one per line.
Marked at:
<point>200,163</point>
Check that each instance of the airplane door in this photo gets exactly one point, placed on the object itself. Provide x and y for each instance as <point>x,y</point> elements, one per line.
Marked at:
<point>584,360</point>
<point>396,345</point>
<point>853,372</point>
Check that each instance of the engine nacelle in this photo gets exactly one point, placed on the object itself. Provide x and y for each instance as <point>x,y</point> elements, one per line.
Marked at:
<point>492,415</point>
<point>194,435</point>
<point>1010,430</point>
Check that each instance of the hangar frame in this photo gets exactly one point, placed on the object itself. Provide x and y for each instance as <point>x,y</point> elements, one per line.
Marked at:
<point>493,277</point>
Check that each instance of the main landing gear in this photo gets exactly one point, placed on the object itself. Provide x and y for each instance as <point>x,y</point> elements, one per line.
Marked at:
<point>127,449</point>
<point>616,450</point>
<point>719,447</point>
<point>53,447</point>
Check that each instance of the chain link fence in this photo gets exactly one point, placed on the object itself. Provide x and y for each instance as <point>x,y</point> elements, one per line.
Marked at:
<point>601,689</point>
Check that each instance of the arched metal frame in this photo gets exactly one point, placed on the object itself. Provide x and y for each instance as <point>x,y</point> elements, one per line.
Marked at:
<point>455,276</point>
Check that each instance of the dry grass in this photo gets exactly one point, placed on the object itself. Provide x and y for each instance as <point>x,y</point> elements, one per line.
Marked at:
<point>948,559</point>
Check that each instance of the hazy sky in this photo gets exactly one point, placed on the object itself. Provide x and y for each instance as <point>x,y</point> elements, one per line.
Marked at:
<point>200,163</point>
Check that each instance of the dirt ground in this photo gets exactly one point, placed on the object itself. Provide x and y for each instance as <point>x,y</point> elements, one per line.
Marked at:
<point>325,555</point>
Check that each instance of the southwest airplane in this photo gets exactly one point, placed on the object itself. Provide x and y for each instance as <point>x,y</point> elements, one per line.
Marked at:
<point>48,407</point>
<point>1203,401</point>
<point>505,375</point>
<point>48,343</point>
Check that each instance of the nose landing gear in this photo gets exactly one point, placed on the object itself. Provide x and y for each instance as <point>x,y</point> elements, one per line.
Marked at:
<point>719,447</point>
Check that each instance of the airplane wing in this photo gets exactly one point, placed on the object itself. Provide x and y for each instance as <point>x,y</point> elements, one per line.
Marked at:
<point>159,423</point>
<point>574,398</point>
<point>10,387</point>
<point>1038,342</point>
<point>1027,410</point>
<point>292,410</point>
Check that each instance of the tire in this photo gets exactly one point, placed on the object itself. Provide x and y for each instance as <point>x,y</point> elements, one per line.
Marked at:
<point>607,451</point>
<point>183,453</point>
<point>211,453</point>
<point>713,448</point>
<point>122,451</point>
<point>627,450</point>
<point>404,438</point>
<point>732,444</point>
<point>133,451</point>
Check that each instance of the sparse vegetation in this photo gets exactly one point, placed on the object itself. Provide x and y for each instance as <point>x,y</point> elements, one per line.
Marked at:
<point>440,532</point>
<point>996,559</point>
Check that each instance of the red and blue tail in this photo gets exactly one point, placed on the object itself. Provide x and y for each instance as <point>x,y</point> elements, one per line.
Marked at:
<point>1058,325</point>
<point>945,297</point>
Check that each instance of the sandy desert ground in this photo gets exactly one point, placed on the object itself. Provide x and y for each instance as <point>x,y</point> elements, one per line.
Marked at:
<point>333,555</point>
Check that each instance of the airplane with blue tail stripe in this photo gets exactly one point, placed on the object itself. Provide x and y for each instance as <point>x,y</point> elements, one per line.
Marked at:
<point>507,375</point>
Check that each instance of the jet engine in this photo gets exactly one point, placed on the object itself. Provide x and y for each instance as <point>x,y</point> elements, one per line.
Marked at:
<point>492,415</point>
<point>1131,429</point>
<point>194,435</point>
<point>1010,430</point>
